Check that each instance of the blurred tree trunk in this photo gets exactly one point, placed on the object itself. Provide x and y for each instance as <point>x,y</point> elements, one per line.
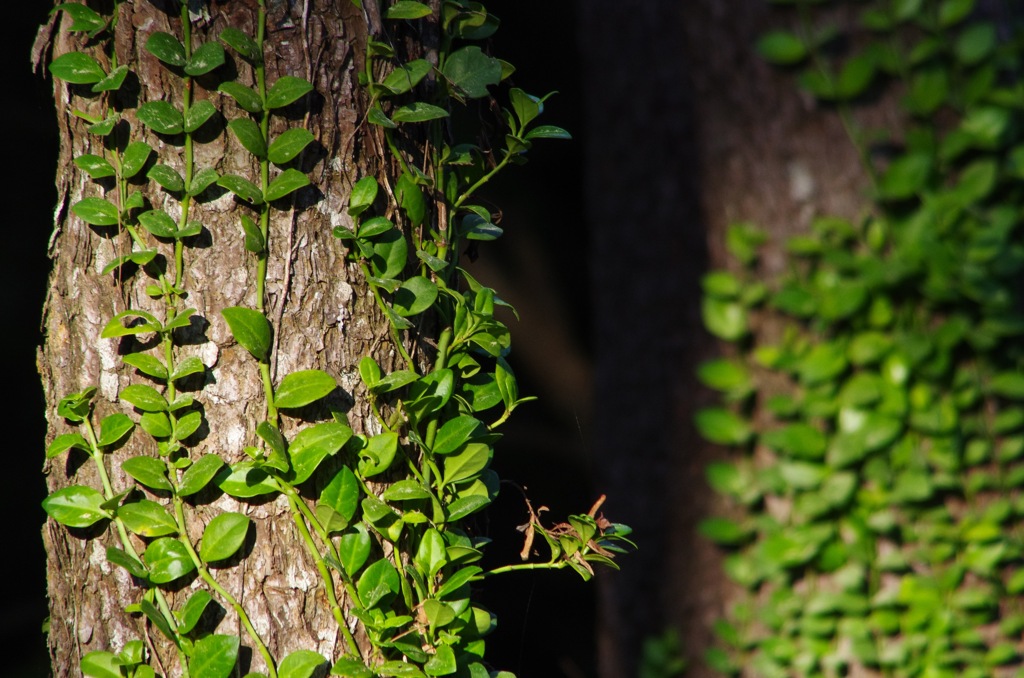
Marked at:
<point>687,132</point>
<point>323,316</point>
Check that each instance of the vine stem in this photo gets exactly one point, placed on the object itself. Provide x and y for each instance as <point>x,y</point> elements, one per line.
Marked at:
<point>294,501</point>
<point>397,340</point>
<point>126,542</point>
<point>516,567</point>
<point>225,595</point>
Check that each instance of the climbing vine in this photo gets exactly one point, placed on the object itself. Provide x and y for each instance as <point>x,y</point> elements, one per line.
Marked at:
<point>876,507</point>
<point>383,515</point>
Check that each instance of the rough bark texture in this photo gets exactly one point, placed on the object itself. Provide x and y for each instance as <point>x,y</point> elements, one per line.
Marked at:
<point>323,316</point>
<point>688,131</point>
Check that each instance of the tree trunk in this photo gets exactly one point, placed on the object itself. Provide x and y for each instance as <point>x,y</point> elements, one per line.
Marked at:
<point>322,314</point>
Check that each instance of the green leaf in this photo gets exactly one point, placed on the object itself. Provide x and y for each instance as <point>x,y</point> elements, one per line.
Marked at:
<point>245,97</point>
<point>202,180</point>
<point>83,17</point>
<point>1008,385</point>
<point>166,48</point>
<point>254,241</point>
<point>406,76</point>
<point>147,519</point>
<point>144,398</point>
<point>192,611</point>
<point>161,117</point>
<point>205,58</point>
<point>198,475</point>
<point>187,425</point>
<point>407,489</point>
<point>65,442</point>
<point>214,656</point>
<point>418,111</point>
<point>464,506</point>
<point>95,166</point>
<point>286,183</point>
<point>416,295</point>
<point>986,125</point>
<point>170,180</point>
<point>798,440</point>
<point>822,362</point>
<point>289,144</point>
<point>248,133</point>
<point>75,407</point>
<point>431,555</point>
<point>377,117</point>
<point>139,258</point>
<point>905,176</point>
<point>245,480</point>
<point>339,501</point>
<point>286,90</point>
<point>112,82</point>
<point>456,432</point>
<point>270,434</point>
<point>300,664</point>
<point>390,253</point>
<point>410,199</point>
<point>354,549</point>
<point>75,506</point>
<point>96,211</point>
<point>378,454</point>
<point>378,583</point>
<point>127,561</point>
<point>802,475</point>
<point>394,381</point>
<point>158,222</point>
<point>442,663</point>
<point>156,424</point>
<point>469,71</point>
<point>351,668</point>
<point>168,560</point>
<point>855,77</point>
<point>722,426</point>
<point>101,664</point>
<point>147,471</point>
<point>407,9</point>
<point>725,375</point>
<point>197,115</point>
<point>466,464</point>
<point>113,428</point>
<point>187,367</point>
<point>364,192</point>
<point>723,531</point>
<point>251,329</point>
<point>115,328</point>
<point>547,132</point>
<point>243,44</point>
<point>782,48</point>
<point>954,11</point>
<point>299,389</point>
<point>77,68</point>
<point>223,536</point>
<point>312,445</point>
<point>725,319</point>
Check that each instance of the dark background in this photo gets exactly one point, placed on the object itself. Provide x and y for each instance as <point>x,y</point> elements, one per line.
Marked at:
<point>31,150</point>
<point>545,619</point>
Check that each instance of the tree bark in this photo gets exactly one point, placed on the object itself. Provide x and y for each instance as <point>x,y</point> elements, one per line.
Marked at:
<point>322,314</point>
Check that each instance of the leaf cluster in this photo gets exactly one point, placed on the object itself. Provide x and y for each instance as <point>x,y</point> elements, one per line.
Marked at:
<point>384,516</point>
<point>877,515</point>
